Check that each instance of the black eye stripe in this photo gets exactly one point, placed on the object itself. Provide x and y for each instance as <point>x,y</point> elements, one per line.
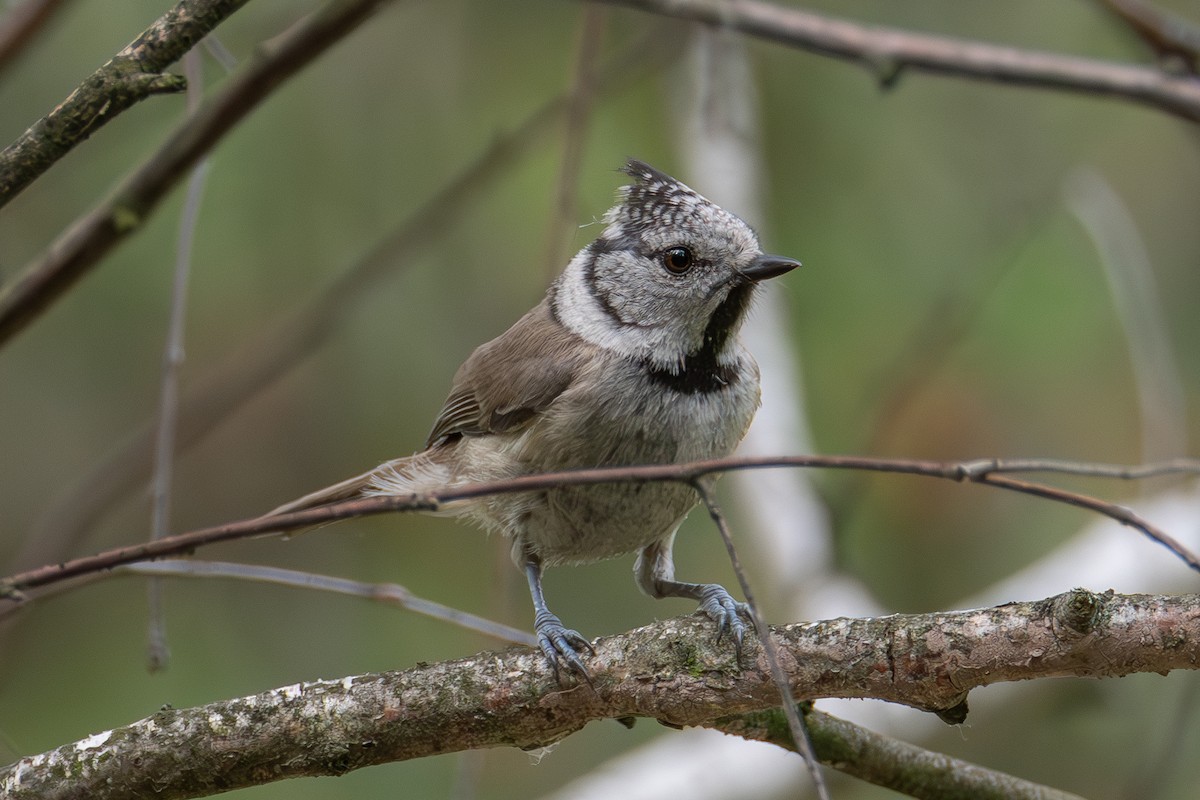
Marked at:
<point>602,296</point>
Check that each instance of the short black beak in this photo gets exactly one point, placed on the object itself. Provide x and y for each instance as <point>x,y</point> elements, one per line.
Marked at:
<point>766,266</point>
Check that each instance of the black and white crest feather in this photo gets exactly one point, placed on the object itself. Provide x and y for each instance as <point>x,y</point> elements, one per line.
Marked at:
<point>657,202</point>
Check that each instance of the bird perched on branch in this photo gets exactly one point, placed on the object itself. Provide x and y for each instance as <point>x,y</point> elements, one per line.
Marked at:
<point>631,358</point>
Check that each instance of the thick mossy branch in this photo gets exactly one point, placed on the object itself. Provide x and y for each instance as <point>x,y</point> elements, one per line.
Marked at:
<point>128,78</point>
<point>672,671</point>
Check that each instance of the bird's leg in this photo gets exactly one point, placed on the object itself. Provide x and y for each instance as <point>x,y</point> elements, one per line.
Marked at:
<point>557,642</point>
<point>655,575</point>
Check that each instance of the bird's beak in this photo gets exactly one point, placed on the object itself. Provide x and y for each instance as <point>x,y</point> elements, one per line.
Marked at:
<point>766,266</point>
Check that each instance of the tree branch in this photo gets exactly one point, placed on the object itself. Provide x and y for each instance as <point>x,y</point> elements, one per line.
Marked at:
<point>891,763</point>
<point>129,77</point>
<point>128,207</point>
<point>1167,35</point>
<point>889,51</point>
<point>672,671</point>
<point>980,471</point>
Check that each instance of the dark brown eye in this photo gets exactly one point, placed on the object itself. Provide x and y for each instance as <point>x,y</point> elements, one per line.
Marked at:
<point>677,259</point>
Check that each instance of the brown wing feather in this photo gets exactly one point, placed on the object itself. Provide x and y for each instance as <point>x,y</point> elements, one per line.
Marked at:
<point>505,383</point>
<point>501,387</point>
<point>459,414</point>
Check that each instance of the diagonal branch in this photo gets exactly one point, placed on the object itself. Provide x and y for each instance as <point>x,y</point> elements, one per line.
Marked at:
<point>128,207</point>
<point>891,763</point>
<point>129,77</point>
<point>389,593</point>
<point>799,737</point>
<point>889,51</point>
<point>672,671</point>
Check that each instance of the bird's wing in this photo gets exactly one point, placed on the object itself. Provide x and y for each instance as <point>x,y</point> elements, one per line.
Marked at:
<point>500,387</point>
<point>505,383</point>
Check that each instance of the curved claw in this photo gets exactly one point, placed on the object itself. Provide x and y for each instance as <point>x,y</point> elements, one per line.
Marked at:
<point>721,608</point>
<point>559,644</point>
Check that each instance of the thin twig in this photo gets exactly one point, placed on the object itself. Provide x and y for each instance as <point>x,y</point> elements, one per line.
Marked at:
<point>157,652</point>
<point>891,763</point>
<point>126,210</point>
<point>979,471</point>
<point>1111,510</point>
<point>973,470</point>
<point>1169,36</point>
<point>390,593</point>
<point>887,52</point>
<point>800,737</point>
<point>582,96</point>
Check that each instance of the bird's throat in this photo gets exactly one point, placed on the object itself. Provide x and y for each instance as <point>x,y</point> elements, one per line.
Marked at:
<point>704,370</point>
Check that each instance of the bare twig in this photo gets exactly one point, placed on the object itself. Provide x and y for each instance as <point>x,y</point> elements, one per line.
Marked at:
<point>582,96</point>
<point>20,24</point>
<point>902,767</point>
<point>927,661</point>
<point>390,593</point>
<point>129,77</point>
<point>887,52</point>
<point>800,739</point>
<point>158,654</point>
<point>1169,36</point>
<point>1119,513</point>
<point>984,471</point>
<point>78,249</point>
<point>1157,469</point>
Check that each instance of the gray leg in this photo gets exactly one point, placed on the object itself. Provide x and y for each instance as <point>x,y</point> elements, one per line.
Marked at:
<point>655,575</point>
<point>557,642</point>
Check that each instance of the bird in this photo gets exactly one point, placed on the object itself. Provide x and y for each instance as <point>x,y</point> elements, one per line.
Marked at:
<point>631,358</point>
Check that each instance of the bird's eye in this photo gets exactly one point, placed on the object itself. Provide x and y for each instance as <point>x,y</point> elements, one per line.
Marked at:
<point>677,259</point>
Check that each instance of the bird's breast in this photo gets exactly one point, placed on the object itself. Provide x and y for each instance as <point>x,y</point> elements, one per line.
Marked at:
<point>619,418</point>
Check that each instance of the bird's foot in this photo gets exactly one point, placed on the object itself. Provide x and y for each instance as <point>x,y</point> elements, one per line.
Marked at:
<point>721,608</point>
<point>561,645</point>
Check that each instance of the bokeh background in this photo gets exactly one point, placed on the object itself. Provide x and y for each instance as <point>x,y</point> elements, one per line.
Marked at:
<point>953,304</point>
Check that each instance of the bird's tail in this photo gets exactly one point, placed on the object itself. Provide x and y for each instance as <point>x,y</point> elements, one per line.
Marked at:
<point>400,476</point>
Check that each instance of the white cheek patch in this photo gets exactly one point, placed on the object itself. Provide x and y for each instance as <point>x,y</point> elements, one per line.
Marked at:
<point>611,294</point>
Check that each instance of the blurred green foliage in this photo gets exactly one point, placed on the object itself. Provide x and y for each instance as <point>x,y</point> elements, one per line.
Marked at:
<point>939,201</point>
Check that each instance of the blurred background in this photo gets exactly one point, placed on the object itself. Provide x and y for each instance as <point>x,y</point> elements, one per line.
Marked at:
<point>970,253</point>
